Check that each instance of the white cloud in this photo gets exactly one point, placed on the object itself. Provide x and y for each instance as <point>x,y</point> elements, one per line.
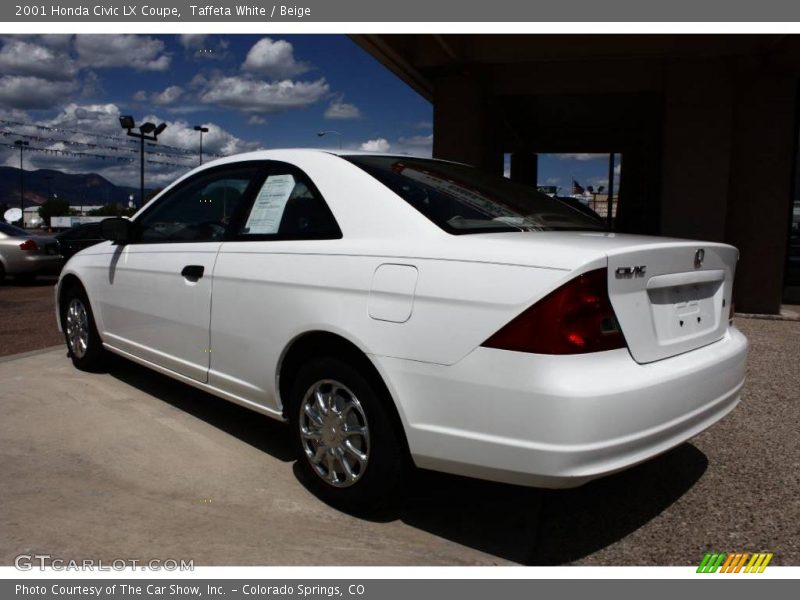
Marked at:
<point>256,120</point>
<point>417,140</point>
<point>376,145</point>
<point>61,42</point>
<point>32,93</point>
<point>22,57</point>
<point>14,114</point>
<point>273,58</point>
<point>217,140</point>
<point>168,96</point>
<point>193,41</point>
<point>94,118</point>
<point>104,119</point>
<point>423,125</point>
<point>256,96</point>
<point>139,52</point>
<point>342,111</point>
<point>583,156</point>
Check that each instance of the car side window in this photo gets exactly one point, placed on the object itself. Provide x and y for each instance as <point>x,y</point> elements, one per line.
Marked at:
<point>288,206</point>
<point>198,210</point>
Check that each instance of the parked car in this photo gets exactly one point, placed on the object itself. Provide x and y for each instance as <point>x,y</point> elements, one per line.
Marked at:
<point>77,238</point>
<point>24,255</point>
<point>401,311</point>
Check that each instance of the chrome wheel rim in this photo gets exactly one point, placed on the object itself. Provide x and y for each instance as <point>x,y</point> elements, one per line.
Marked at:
<point>77,328</point>
<point>334,433</point>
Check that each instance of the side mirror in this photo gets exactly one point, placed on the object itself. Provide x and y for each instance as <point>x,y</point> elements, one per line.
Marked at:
<point>117,230</point>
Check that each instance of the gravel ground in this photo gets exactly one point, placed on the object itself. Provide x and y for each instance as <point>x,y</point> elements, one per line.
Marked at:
<point>27,317</point>
<point>733,488</point>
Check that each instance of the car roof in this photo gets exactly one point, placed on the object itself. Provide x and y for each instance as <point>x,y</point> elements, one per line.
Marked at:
<point>274,153</point>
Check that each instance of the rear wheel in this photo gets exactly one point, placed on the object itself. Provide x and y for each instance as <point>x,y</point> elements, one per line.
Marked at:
<point>80,332</point>
<point>350,452</point>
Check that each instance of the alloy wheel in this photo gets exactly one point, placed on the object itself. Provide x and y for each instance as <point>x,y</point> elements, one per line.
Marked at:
<point>334,433</point>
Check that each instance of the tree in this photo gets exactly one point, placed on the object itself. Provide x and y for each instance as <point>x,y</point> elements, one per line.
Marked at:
<point>53,207</point>
<point>112,210</point>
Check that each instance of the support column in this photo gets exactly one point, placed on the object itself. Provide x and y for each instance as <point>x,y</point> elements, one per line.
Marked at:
<point>760,185</point>
<point>463,124</point>
<point>698,109</point>
<point>525,168</point>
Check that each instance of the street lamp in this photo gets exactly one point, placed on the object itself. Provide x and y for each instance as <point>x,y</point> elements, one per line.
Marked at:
<point>324,133</point>
<point>202,130</point>
<point>147,131</point>
<point>21,144</point>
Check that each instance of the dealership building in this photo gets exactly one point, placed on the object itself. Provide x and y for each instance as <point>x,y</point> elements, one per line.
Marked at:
<point>706,125</point>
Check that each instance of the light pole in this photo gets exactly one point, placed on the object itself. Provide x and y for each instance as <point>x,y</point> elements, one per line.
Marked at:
<point>21,144</point>
<point>147,131</point>
<point>202,130</point>
<point>324,133</point>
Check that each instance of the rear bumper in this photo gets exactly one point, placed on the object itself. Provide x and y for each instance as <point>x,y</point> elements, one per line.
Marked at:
<point>560,421</point>
<point>49,264</point>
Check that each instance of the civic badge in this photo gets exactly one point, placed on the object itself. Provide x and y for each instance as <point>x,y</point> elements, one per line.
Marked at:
<point>699,255</point>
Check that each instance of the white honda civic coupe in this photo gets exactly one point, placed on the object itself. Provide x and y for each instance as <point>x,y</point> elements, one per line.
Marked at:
<point>400,311</point>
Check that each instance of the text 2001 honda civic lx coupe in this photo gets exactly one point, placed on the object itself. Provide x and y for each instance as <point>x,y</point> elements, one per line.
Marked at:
<point>394,309</point>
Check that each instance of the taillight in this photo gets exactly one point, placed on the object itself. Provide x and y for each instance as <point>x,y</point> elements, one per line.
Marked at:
<point>574,319</point>
<point>29,245</point>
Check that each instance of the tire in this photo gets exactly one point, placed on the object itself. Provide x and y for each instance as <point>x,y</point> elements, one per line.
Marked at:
<point>368,466</point>
<point>80,332</point>
<point>2,272</point>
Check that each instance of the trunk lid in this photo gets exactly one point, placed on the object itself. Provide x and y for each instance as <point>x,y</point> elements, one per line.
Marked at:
<point>671,297</point>
<point>656,287</point>
<point>47,245</point>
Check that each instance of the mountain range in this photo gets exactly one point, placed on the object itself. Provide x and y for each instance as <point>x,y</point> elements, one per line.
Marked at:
<point>82,188</point>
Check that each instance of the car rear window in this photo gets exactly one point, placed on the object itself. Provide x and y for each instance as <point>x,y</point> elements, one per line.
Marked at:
<point>462,199</point>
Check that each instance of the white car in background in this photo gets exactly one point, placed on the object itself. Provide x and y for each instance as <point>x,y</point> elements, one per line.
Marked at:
<point>398,310</point>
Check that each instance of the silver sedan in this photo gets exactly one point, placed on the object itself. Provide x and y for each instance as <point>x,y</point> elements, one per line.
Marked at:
<point>24,255</point>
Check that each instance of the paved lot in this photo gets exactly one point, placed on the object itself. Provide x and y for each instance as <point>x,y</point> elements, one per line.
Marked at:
<point>129,464</point>
<point>27,317</point>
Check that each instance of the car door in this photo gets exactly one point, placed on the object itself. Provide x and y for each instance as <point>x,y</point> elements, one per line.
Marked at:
<point>156,303</point>
<point>264,282</point>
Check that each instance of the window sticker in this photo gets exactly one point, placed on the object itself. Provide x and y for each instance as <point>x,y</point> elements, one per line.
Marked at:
<point>265,216</point>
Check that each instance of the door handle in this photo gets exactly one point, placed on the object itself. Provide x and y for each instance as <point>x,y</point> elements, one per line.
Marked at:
<point>193,272</point>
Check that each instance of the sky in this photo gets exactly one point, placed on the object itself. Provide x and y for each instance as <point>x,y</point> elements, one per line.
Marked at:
<point>251,91</point>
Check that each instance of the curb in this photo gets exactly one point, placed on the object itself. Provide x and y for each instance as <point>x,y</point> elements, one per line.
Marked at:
<point>12,357</point>
<point>782,317</point>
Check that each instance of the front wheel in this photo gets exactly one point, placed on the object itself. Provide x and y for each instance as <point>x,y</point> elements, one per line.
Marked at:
<point>83,341</point>
<point>350,452</point>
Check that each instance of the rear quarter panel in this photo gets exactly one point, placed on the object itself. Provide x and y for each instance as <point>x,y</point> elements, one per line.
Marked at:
<point>266,294</point>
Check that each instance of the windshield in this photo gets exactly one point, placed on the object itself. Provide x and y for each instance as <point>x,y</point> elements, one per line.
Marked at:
<point>12,231</point>
<point>462,199</point>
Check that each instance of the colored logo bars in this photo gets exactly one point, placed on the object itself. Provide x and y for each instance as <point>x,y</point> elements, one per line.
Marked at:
<point>734,562</point>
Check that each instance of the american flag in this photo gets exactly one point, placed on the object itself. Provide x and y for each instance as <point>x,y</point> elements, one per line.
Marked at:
<point>577,188</point>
